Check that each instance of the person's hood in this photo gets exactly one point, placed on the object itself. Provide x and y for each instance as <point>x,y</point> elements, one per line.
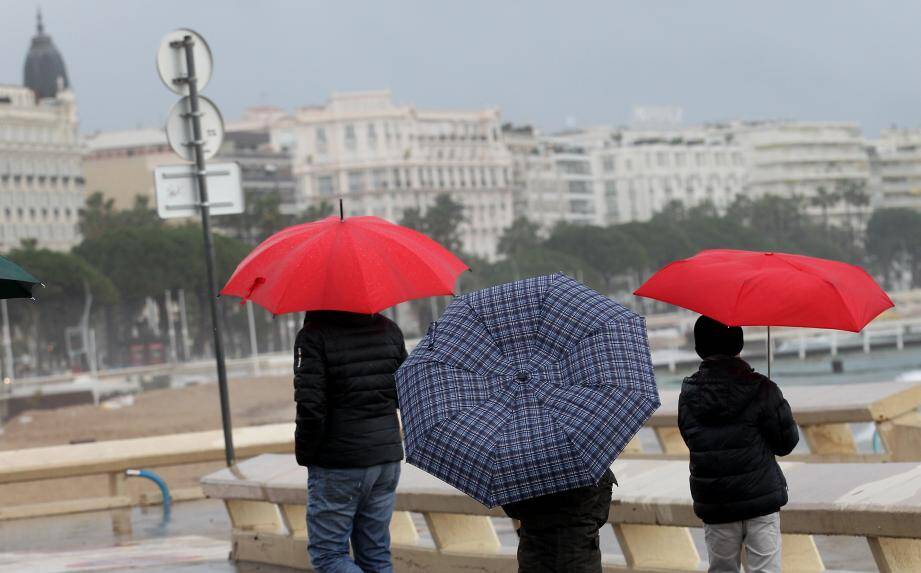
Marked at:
<point>720,389</point>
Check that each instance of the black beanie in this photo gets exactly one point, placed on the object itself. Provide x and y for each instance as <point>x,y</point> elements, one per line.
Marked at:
<point>713,338</point>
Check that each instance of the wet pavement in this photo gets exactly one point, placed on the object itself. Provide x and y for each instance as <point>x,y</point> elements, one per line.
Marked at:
<point>196,540</point>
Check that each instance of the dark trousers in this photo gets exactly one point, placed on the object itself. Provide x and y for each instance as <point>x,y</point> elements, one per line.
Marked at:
<point>559,532</point>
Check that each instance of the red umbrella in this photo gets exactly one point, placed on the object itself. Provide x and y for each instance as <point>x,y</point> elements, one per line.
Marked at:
<point>359,264</point>
<point>743,288</point>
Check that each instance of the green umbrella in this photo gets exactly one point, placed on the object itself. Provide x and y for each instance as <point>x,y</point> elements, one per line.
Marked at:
<point>15,282</point>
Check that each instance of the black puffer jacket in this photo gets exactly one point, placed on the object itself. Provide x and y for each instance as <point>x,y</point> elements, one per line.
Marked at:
<point>345,392</point>
<point>735,421</point>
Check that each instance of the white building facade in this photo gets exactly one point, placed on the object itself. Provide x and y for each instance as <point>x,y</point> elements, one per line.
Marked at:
<point>382,158</point>
<point>799,159</point>
<point>607,176</point>
<point>41,178</point>
<point>640,172</point>
<point>896,167</point>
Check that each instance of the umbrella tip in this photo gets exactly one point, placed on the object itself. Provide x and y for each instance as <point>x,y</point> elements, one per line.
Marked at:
<point>341,211</point>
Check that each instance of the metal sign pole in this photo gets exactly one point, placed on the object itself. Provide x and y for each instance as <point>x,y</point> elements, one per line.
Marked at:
<point>195,119</point>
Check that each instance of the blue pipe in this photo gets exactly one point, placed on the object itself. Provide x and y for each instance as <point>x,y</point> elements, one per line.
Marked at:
<point>164,490</point>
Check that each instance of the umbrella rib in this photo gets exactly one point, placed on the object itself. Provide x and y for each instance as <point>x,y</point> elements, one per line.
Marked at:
<point>361,271</point>
<point>427,264</point>
<point>586,463</point>
<point>735,306</point>
<point>288,282</point>
<point>443,363</point>
<point>808,271</point>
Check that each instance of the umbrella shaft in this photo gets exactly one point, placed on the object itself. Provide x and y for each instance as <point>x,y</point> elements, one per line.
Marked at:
<point>770,352</point>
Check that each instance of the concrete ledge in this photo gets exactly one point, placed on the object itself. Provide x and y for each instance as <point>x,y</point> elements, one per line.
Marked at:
<point>650,513</point>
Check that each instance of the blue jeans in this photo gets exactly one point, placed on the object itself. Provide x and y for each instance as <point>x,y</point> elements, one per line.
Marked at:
<point>351,504</point>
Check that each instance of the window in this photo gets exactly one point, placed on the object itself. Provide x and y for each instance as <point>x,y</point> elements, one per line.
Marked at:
<point>350,140</point>
<point>441,178</point>
<point>580,187</point>
<point>356,181</point>
<point>679,159</point>
<point>610,188</point>
<point>581,207</point>
<point>321,137</point>
<point>574,167</point>
<point>379,179</point>
<point>608,164</point>
<point>662,159</point>
<point>397,180</point>
<point>372,135</point>
<point>325,186</point>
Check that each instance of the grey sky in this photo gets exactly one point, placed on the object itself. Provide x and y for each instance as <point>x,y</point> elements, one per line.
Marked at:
<point>540,62</point>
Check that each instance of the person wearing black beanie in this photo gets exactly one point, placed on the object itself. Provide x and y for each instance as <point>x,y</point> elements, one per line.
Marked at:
<point>713,338</point>
<point>734,422</point>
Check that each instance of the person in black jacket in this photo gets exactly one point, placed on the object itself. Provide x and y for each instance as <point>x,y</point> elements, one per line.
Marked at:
<point>559,531</point>
<point>348,435</point>
<point>734,422</point>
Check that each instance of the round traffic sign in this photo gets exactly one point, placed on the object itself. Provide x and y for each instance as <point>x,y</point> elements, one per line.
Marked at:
<point>171,60</point>
<point>179,128</point>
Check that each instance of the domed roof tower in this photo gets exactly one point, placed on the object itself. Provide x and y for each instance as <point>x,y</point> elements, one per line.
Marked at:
<point>44,72</point>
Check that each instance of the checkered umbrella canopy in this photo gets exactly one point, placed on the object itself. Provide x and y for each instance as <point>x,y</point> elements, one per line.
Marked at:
<point>526,389</point>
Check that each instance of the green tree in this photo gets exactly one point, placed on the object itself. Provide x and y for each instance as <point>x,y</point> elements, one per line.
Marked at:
<point>611,252</point>
<point>99,215</point>
<point>855,197</point>
<point>68,279</point>
<point>261,218</point>
<point>316,212</point>
<point>442,222</point>
<point>824,200</point>
<point>520,236</point>
<point>145,262</point>
<point>894,244</point>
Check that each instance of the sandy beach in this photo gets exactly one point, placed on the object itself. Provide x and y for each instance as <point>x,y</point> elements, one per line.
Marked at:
<point>254,401</point>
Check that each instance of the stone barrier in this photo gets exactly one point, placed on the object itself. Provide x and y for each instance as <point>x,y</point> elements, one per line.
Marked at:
<point>651,515</point>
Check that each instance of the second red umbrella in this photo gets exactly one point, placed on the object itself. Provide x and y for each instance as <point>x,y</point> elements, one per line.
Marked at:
<point>743,288</point>
<point>359,264</point>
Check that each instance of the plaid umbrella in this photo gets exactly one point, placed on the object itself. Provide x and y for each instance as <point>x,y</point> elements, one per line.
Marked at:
<point>525,389</point>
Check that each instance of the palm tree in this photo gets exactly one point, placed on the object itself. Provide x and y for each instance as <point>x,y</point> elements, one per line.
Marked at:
<point>823,199</point>
<point>854,194</point>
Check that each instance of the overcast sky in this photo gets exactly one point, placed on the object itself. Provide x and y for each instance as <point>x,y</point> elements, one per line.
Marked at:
<point>541,62</point>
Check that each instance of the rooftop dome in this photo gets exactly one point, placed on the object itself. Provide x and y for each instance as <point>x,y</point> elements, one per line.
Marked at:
<point>44,72</point>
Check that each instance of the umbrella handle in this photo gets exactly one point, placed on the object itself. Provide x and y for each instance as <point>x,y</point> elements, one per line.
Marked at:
<point>433,326</point>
